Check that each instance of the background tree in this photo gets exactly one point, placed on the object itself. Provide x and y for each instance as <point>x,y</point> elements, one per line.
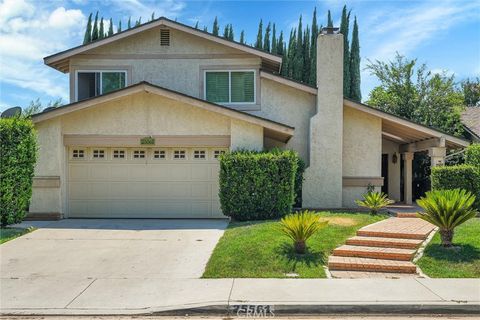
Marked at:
<point>313,50</point>
<point>88,31</point>
<point>242,37</point>
<point>414,93</point>
<point>226,31</point>
<point>329,20</point>
<point>196,25</point>
<point>344,26</point>
<point>129,23</point>
<point>119,29</point>
<point>95,28</point>
<point>101,30</point>
<point>215,28</point>
<point>266,39</point>
<point>274,40</point>
<point>471,92</point>
<point>110,28</point>
<point>354,65</point>
<point>258,42</point>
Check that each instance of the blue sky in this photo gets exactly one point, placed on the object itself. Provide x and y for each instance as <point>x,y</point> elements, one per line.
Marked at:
<point>443,34</point>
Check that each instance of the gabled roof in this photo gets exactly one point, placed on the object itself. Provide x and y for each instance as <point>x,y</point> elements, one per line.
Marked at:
<point>274,129</point>
<point>471,120</point>
<point>59,60</point>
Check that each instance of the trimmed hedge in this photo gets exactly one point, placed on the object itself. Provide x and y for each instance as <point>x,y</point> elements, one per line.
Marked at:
<point>257,185</point>
<point>460,176</point>
<point>17,162</point>
<point>472,155</point>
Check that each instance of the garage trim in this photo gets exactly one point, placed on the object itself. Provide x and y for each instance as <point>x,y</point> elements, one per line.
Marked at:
<point>96,140</point>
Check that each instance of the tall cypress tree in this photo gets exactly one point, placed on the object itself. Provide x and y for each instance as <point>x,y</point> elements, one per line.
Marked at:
<point>110,28</point>
<point>298,58</point>
<point>226,31</point>
<point>119,29</point>
<point>344,26</point>
<point>329,20</point>
<point>258,42</point>
<point>266,39</point>
<point>101,32</point>
<point>215,27</point>
<point>205,29</point>
<point>231,35</point>
<point>242,37</point>
<point>312,79</point>
<point>196,25</point>
<point>95,28</point>
<point>153,15</point>
<point>274,40</point>
<point>280,44</point>
<point>355,92</point>
<point>129,23</point>
<point>306,55</point>
<point>87,38</point>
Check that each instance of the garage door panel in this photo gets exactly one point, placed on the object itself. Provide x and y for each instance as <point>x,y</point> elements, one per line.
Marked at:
<point>143,188</point>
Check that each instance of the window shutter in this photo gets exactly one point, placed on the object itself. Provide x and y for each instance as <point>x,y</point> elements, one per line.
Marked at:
<point>217,84</point>
<point>243,87</point>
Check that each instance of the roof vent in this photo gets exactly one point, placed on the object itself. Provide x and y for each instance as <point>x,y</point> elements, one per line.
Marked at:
<point>329,30</point>
<point>164,37</point>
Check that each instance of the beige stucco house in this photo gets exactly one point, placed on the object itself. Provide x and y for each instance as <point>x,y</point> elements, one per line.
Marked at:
<point>153,107</point>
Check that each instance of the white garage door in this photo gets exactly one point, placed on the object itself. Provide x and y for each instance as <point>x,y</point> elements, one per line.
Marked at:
<point>143,182</point>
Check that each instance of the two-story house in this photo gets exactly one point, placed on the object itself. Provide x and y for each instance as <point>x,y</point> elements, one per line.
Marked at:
<point>153,107</point>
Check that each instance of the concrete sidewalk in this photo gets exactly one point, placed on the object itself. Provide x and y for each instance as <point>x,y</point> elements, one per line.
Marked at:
<point>107,296</point>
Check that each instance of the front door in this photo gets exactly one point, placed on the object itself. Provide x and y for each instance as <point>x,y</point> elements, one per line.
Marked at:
<point>385,173</point>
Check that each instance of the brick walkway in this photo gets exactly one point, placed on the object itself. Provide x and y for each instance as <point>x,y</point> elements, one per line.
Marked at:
<point>383,249</point>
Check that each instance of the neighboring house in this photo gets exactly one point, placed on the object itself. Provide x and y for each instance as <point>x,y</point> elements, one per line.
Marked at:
<point>198,95</point>
<point>471,123</point>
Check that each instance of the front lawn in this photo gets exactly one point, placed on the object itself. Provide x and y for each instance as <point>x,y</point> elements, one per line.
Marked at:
<point>257,249</point>
<point>461,261</point>
<point>7,234</point>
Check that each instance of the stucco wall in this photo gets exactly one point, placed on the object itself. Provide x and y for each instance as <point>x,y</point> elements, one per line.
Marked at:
<point>245,135</point>
<point>177,67</point>
<point>292,107</point>
<point>390,147</point>
<point>362,149</point>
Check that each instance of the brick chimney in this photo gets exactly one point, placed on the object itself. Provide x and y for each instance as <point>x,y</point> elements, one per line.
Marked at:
<point>323,178</point>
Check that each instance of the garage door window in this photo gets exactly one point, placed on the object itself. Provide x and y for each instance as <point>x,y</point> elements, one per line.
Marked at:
<point>179,154</point>
<point>159,154</point>
<point>139,154</point>
<point>217,153</point>
<point>78,154</point>
<point>118,154</point>
<point>98,154</point>
<point>199,154</point>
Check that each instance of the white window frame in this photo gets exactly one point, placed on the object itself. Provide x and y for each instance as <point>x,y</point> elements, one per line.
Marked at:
<point>230,86</point>
<point>185,153</point>
<point>205,154</point>
<point>99,71</point>
<point>105,154</point>
<point>125,153</point>
<point>159,150</point>
<point>145,153</point>
<point>85,154</point>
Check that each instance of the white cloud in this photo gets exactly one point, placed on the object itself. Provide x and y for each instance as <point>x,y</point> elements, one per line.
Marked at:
<point>13,8</point>
<point>61,18</point>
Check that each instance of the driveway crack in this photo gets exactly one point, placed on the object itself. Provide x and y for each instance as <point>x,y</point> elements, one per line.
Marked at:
<point>78,295</point>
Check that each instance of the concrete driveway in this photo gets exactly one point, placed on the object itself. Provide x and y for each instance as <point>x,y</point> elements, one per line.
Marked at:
<point>54,265</point>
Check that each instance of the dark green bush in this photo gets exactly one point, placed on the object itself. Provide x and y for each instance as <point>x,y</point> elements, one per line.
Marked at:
<point>17,161</point>
<point>299,183</point>
<point>472,155</point>
<point>457,177</point>
<point>257,185</point>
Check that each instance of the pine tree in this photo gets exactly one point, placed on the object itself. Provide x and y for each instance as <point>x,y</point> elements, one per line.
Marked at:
<point>110,28</point>
<point>226,31</point>
<point>280,45</point>
<point>95,28</point>
<point>329,20</point>
<point>242,37</point>
<point>119,26</point>
<point>215,27</point>
<point>312,79</point>
<point>298,57</point>
<point>87,38</point>
<point>344,26</point>
<point>274,40</point>
<point>101,31</point>
<point>266,39</point>
<point>129,23</point>
<point>306,56</point>
<point>196,25</point>
<point>231,35</point>
<point>355,92</point>
<point>258,42</point>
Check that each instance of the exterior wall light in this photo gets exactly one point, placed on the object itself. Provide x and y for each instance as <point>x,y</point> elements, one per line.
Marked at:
<point>394,158</point>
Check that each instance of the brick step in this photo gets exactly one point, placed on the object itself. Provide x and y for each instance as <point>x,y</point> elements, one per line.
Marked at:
<point>385,242</point>
<point>406,215</point>
<point>387,234</point>
<point>370,265</point>
<point>374,252</point>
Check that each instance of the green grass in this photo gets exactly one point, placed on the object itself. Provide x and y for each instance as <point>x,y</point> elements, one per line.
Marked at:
<point>258,249</point>
<point>461,261</point>
<point>7,234</point>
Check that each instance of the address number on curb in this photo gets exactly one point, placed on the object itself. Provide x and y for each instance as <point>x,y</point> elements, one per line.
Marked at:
<point>253,310</point>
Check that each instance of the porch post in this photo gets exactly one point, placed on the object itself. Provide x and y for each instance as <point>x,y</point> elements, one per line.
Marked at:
<point>437,156</point>
<point>407,177</point>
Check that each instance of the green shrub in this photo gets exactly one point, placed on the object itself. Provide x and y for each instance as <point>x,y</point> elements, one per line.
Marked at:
<point>457,177</point>
<point>299,183</point>
<point>472,155</point>
<point>300,227</point>
<point>17,161</point>
<point>374,201</point>
<point>257,185</point>
<point>447,209</point>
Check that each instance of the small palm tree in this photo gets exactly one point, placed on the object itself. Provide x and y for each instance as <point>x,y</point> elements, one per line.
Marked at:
<point>300,227</point>
<point>374,201</point>
<point>447,209</point>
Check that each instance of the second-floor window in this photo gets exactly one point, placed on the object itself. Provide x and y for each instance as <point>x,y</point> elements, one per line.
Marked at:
<point>230,87</point>
<point>93,83</point>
